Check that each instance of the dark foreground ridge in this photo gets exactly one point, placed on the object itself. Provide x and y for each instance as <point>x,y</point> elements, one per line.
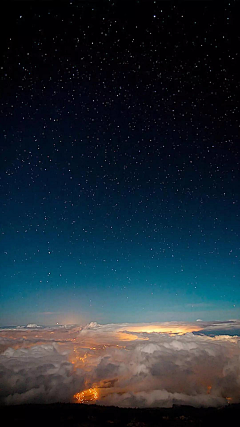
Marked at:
<point>74,415</point>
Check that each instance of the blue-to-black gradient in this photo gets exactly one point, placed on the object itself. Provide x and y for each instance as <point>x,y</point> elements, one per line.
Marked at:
<point>119,162</point>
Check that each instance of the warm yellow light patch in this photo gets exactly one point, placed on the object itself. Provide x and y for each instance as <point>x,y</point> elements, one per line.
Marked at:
<point>86,396</point>
<point>78,360</point>
<point>83,359</point>
<point>168,329</point>
<point>123,336</point>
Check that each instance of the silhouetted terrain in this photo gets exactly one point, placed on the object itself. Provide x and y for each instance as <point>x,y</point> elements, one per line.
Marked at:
<point>75,415</point>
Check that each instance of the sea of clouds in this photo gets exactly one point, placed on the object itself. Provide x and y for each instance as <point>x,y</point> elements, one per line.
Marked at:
<point>130,365</point>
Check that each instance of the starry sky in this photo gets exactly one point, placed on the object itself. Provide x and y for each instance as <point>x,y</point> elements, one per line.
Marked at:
<point>119,162</point>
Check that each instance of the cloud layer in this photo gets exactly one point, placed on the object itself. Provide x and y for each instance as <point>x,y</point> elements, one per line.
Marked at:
<point>129,365</point>
<point>39,374</point>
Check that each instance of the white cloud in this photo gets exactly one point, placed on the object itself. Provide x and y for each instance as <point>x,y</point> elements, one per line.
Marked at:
<point>38,374</point>
<point>130,364</point>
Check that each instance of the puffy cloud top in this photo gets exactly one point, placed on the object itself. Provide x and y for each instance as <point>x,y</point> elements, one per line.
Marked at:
<point>126,364</point>
<point>38,374</point>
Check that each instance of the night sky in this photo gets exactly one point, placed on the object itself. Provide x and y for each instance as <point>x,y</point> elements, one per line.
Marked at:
<point>119,162</point>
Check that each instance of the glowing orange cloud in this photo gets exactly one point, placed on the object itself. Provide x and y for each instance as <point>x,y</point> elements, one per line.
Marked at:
<point>86,396</point>
<point>123,336</point>
<point>168,329</point>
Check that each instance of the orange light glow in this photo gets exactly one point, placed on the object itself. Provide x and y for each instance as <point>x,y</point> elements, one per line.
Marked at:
<point>209,389</point>
<point>123,336</point>
<point>169,329</point>
<point>83,359</point>
<point>87,396</point>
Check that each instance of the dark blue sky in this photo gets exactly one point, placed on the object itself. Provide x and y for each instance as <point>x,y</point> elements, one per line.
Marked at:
<point>120,162</point>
